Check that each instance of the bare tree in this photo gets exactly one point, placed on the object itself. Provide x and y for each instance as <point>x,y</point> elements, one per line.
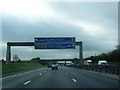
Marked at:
<point>118,47</point>
<point>15,57</point>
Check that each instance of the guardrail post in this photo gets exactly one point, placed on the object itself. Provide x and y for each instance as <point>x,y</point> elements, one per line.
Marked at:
<point>65,63</point>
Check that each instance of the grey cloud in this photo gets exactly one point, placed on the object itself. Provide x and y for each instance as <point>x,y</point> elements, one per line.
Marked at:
<point>102,14</point>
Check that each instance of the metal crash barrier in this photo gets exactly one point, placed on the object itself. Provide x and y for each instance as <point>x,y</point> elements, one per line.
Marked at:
<point>106,69</point>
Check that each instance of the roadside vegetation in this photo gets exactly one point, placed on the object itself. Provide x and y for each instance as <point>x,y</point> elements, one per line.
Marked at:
<point>14,67</point>
<point>112,57</point>
<point>20,65</point>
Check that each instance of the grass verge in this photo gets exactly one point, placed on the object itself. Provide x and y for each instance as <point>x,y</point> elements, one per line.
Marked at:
<point>114,63</point>
<point>14,67</point>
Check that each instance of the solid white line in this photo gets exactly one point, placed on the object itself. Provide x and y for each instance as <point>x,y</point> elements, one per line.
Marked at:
<point>74,80</point>
<point>27,82</point>
<point>20,74</point>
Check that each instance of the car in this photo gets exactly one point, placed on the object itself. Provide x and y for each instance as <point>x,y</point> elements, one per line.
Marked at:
<point>102,63</point>
<point>54,66</point>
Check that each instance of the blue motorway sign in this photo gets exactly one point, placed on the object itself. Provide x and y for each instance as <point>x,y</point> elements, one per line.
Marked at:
<point>55,43</point>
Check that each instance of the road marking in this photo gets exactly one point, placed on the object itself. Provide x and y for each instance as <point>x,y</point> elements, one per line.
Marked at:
<point>45,71</point>
<point>40,74</point>
<point>74,80</point>
<point>27,82</point>
<point>20,74</point>
<point>66,73</point>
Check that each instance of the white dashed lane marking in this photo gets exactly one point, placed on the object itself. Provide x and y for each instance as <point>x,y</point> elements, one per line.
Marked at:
<point>74,80</point>
<point>27,82</point>
<point>66,73</point>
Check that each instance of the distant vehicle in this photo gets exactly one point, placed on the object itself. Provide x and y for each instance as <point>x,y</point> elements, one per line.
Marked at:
<point>69,64</point>
<point>87,62</point>
<point>54,66</point>
<point>102,62</point>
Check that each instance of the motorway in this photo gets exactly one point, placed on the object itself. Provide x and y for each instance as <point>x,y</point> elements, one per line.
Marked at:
<point>64,77</point>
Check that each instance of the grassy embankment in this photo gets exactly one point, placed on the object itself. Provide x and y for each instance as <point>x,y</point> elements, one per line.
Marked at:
<point>14,67</point>
<point>114,63</point>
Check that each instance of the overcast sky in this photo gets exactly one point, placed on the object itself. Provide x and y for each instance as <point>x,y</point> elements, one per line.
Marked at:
<point>93,23</point>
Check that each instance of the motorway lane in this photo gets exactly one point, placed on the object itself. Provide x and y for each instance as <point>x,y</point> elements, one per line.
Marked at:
<point>91,80</point>
<point>53,79</point>
<point>65,77</point>
<point>18,80</point>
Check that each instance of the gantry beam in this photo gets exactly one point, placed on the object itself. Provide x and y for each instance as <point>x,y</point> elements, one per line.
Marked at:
<point>20,44</point>
<point>9,44</point>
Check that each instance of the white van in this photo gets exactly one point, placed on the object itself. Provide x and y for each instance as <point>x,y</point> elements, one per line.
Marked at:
<point>87,62</point>
<point>102,62</point>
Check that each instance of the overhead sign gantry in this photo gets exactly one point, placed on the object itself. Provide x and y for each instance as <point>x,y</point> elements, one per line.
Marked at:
<point>55,43</point>
<point>48,43</point>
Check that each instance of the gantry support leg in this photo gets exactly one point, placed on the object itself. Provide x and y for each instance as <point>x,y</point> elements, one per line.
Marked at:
<point>80,44</point>
<point>8,55</point>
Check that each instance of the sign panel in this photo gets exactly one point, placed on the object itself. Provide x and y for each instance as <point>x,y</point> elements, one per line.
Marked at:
<point>55,43</point>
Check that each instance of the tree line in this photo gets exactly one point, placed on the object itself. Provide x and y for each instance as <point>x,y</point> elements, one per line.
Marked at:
<point>113,56</point>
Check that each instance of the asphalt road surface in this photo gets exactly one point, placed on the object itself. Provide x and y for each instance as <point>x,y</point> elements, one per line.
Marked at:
<point>64,77</point>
